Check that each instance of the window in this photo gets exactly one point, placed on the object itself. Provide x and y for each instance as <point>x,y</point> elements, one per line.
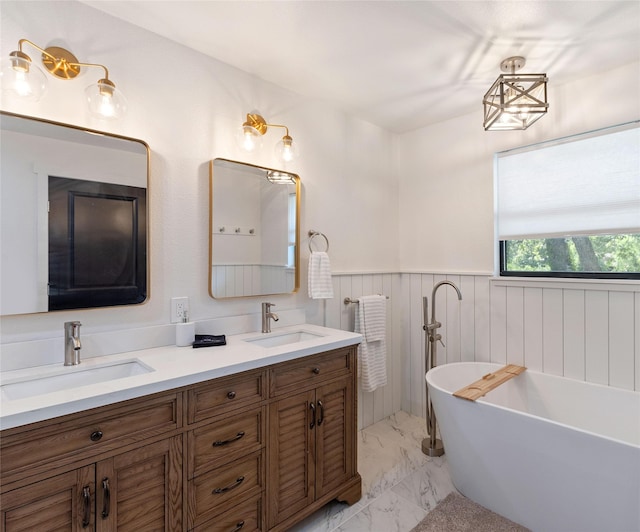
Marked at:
<point>571,207</point>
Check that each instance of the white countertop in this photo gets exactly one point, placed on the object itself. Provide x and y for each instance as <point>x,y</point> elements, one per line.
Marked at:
<point>172,366</point>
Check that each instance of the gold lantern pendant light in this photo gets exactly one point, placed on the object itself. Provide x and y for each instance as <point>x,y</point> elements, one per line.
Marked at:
<point>515,101</point>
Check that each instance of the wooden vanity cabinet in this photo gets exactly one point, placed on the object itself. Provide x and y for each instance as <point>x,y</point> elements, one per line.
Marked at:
<point>312,436</point>
<point>115,483</point>
<point>56,503</point>
<point>137,490</point>
<point>254,451</point>
<point>143,489</point>
<point>226,453</point>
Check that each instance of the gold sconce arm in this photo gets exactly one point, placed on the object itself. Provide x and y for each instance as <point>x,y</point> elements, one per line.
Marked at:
<point>60,62</point>
<point>257,122</point>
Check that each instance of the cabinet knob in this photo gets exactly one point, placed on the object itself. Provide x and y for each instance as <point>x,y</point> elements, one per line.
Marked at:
<point>231,395</point>
<point>316,371</point>
<point>96,435</point>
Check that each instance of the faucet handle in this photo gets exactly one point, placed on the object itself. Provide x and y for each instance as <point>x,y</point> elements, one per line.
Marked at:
<point>73,327</point>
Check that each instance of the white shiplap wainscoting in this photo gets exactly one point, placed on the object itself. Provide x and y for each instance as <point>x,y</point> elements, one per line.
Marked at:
<point>582,331</point>
<point>239,280</point>
<point>372,406</point>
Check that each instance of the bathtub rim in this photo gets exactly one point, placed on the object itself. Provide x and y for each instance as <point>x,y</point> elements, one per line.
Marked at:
<point>496,365</point>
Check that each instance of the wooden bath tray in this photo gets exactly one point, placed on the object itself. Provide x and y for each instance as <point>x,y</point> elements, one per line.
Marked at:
<point>487,383</point>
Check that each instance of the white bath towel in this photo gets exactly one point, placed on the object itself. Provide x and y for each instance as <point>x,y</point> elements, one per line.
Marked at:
<point>372,354</point>
<point>320,284</point>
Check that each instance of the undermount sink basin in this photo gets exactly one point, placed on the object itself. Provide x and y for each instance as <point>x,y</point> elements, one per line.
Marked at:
<point>71,377</point>
<point>275,339</point>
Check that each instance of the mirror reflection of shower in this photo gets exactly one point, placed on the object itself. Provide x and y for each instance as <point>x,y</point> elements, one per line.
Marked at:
<point>432,446</point>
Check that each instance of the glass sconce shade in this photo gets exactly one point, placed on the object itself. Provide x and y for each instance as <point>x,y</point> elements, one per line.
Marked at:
<point>285,150</point>
<point>20,77</point>
<point>248,138</point>
<point>105,101</point>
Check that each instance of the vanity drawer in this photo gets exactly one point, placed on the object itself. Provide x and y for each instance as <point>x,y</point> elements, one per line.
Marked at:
<point>77,436</point>
<point>226,440</point>
<point>246,516</point>
<point>225,394</point>
<point>309,371</point>
<point>220,490</point>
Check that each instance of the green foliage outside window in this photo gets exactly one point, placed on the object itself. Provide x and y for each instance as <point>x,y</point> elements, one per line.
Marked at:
<point>598,254</point>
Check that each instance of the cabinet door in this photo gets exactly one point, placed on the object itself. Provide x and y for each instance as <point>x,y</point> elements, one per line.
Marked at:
<point>335,436</point>
<point>64,502</point>
<point>141,489</point>
<point>291,455</point>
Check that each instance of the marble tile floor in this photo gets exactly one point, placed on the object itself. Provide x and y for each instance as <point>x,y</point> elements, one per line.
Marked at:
<point>400,485</point>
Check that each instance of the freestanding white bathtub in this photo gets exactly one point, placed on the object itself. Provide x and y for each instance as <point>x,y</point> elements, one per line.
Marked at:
<point>551,453</point>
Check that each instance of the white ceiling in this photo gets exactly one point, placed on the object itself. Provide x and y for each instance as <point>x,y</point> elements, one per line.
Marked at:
<point>399,64</point>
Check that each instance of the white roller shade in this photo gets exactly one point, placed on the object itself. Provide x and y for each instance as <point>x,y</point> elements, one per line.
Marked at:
<point>586,184</point>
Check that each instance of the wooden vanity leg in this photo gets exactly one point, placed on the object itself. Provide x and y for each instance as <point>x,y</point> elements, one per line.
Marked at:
<point>353,493</point>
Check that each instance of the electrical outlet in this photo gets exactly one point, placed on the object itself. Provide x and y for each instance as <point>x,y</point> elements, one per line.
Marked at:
<point>179,305</point>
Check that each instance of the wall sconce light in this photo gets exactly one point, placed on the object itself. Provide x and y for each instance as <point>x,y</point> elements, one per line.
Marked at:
<point>249,138</point>
<point>25,79</point>
<point>515,101</point>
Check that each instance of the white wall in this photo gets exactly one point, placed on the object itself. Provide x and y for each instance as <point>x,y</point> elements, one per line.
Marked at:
<point>446,170</point>
<point>187,107</point>
<point>420,204</point>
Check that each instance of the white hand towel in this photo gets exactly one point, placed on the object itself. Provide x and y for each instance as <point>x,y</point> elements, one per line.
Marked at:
<point>320,284</point>
<point>375,317</point>
<point>372,354</point>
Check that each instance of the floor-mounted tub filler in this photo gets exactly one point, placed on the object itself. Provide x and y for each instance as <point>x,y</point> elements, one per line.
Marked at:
<point>550,453</point>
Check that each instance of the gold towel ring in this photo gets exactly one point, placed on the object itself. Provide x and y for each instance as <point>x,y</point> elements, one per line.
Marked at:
<point>313,234</point>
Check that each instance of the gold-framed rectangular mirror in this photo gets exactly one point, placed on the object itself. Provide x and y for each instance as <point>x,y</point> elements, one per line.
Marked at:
<point>73,217</point>
<point>254,230</point>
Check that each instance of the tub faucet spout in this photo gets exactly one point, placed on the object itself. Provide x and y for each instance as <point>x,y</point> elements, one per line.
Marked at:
<point>72,343</point>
